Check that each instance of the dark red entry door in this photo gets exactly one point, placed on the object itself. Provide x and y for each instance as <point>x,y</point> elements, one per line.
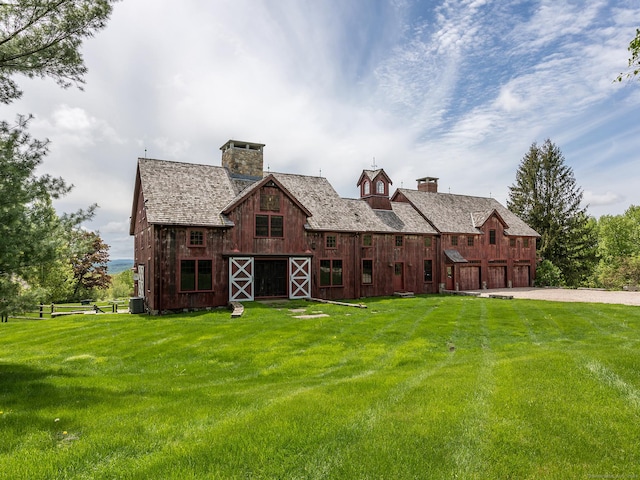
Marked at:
<point>398,277</point>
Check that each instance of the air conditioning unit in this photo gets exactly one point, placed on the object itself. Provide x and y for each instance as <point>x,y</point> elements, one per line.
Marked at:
<point>136,305</point>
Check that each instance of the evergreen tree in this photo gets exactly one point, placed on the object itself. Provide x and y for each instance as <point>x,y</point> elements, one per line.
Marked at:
<point>38,38</point>
<point>545,195</point>
<point>42,38</point>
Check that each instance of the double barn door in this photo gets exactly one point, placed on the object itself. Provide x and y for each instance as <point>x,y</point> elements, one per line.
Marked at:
<point>251,278</point>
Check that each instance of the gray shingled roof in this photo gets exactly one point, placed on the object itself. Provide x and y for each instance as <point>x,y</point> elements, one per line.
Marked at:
<point>405,219</point>
<point>330,212</point>
<point>464,214</point>
<point>190,194</point>
<point>371,174</point>
<point>185,193</point>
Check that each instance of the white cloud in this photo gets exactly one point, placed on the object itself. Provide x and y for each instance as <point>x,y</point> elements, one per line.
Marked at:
<point>114,227</point>
<point>601,199</point>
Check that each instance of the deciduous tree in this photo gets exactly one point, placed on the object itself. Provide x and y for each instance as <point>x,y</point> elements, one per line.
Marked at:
<point>545,195</point>
<point>634,60</point>
<point>89,258</point>
<point>619,249</point>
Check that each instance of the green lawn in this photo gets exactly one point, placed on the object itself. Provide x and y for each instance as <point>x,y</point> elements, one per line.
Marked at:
<point>426,387</point>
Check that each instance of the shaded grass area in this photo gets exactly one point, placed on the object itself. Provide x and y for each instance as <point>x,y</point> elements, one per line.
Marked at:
<point>425,387</point>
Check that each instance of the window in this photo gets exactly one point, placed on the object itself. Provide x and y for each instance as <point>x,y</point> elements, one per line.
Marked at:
<point>196,275</point>
<point>262,225</point>
<point>428,270</point>
<point>269,202</point>
<point>331,241</point>
<point>367,271</point>
<point>330,273</point>
<point>277,226</point>
<point>380,187</point>
<point>367,240</point>
<point>397,269</point>
<point>454,240</point>
<point>399,240</point>
<point>196,238</point>
<point>367,187</point>
<point>427,241</point>
<point>512,242</point>
<point>525,242</point>
<point>470,241</point>
<point>492,237</point>
<point>269,226</point>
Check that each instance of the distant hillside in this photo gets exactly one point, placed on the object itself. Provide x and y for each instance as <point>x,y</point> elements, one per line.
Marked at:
<point>119,265</point>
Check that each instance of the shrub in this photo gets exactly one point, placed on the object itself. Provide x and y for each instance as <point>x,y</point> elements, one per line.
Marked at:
<point>548,275</point>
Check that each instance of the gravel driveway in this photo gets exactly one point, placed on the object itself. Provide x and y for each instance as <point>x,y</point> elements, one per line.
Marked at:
<point>567,295</point>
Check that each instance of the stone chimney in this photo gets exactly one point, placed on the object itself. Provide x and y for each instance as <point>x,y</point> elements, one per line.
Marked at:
<point>243,159</point>
<point>428,184</point>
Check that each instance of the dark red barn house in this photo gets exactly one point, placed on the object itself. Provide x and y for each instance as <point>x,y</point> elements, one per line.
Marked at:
<point>208,235</point>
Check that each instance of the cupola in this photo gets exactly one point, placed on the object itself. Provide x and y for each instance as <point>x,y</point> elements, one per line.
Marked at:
<point>374,188</point>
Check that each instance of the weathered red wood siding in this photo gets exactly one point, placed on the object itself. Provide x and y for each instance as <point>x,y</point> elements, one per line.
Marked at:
<point>383,253</point>
<point>243,237</point>
<point>144,251</point>
<point>173,245</point>
<point>495,263</point>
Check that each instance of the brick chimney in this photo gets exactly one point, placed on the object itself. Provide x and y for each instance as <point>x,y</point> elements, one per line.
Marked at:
<point>428,184</point>
<point>244,159</point>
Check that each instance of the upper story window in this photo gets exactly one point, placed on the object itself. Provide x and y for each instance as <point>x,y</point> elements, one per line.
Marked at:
<point>399,240</point>
<point>269,202</point>
<point>525,242</point>
<point>492,237</point>
<point>470,241</point>
<point>270,226</point>
<point>512,242</point>
<point>196,238</point>
<point>454,240</point>
<point>331,241</point>
<point>380,187</point>
<point>367,240</point>
<point>427,241</point>
<point>366,188</point>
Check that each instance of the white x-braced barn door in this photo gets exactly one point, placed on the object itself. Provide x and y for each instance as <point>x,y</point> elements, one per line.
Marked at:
<point>240,279</point>
<point>300,277</point>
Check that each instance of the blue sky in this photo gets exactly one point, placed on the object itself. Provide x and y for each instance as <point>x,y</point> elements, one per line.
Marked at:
<point>452,89</point>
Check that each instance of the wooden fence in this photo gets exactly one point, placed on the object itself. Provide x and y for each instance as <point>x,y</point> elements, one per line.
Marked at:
<point>56,310</point>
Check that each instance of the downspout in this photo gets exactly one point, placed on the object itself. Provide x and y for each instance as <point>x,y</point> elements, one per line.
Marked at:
<point>356,262</point>
<point>158,258</point>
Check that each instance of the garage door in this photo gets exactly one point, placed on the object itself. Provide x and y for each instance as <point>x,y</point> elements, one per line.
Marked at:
<point>469,278</point>
<point>521,276</point>
<point>497,277</point>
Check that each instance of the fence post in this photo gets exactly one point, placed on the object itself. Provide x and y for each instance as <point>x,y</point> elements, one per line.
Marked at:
<point>41,309</point>
<point>53,308</point>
